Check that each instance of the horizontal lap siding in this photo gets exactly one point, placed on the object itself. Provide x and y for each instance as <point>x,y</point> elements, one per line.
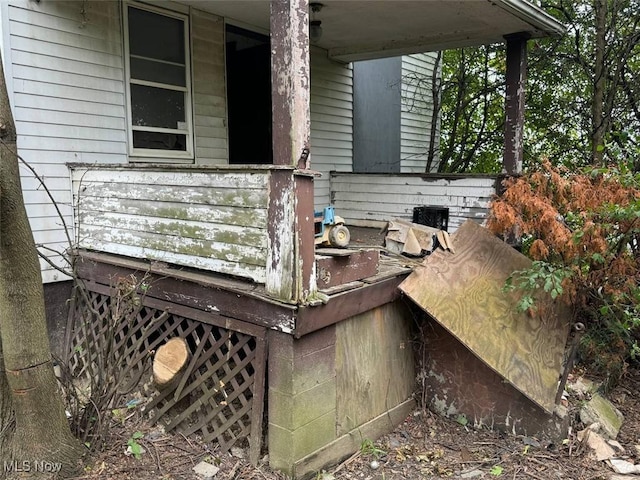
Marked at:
<point>373,199</point>
<point>216,221</point>
<point>68,98</point>
<point>417,112</point>
<point>209,93</point>
<point>331,122</point>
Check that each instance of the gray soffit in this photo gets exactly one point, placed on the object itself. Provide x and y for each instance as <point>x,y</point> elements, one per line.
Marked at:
<point>359,30</point>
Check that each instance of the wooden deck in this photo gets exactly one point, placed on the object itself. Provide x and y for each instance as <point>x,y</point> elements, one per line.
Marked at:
<point>225,321</point>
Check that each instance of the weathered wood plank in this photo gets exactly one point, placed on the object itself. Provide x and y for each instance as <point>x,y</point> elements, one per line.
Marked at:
<point>91,235</point>
<point>463,291</point>
<point>171,176</point>
<point>234,197</point>
<point>347,304</point>
<point>231,234</point>
<point>352,441</point>
<point>336,270</point>
<point>178,211</point>
<point>221,296</point>
<point>281,268</point>
<point>367,382</point>
<point>255,273</point>
<point>415,179</point>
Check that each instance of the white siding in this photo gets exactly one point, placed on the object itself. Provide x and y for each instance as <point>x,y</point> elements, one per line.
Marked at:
<point>331,122</point>
<point>417,111</point>
<point>65,71</point>
<point>68,98</point>
<point>372,200</point>
<point>209,94</point>
<point>210,219</point>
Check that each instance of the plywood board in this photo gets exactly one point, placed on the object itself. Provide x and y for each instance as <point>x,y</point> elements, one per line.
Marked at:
<point>374,364</point>
<point>463,292</point>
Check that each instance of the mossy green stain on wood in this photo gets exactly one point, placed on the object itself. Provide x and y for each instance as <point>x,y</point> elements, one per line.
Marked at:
<point>198,248</point>
<point>248,236</point>
<point>295,411</point>
<point>183,216</point>
<point>223,196</point>
<point>178,211</point>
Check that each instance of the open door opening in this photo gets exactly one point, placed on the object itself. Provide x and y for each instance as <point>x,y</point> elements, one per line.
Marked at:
<point>248,96</point>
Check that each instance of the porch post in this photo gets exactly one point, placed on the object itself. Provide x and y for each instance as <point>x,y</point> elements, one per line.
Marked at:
<point>291,249</point>
<point>516,78</point>
<point>290,82</point>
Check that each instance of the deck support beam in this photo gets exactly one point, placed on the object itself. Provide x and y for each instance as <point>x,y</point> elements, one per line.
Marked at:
<point>516,79</point>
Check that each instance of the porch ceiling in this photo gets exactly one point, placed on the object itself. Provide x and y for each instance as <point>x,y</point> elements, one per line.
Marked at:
<point>359,30</point>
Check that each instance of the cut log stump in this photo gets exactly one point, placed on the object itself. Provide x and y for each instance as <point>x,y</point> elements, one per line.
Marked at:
<point>170,360</point>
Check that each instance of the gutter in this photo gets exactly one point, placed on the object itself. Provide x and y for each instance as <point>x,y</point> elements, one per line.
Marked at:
<point>544,23</point>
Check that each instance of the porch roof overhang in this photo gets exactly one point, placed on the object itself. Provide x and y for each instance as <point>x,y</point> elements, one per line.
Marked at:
<point>360,30</point>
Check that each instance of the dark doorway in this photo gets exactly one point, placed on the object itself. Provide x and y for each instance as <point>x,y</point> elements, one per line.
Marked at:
<point>248,96</point>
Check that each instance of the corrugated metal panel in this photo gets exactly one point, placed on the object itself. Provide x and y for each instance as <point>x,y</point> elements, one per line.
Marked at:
<point>331,121</point>
<point>417,111</point>
<point>371,200</point>
<point>214,220</point>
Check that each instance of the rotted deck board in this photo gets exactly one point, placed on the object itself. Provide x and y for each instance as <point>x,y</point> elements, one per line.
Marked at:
<point>205,291</point>
<point>463,292</point>
<point>243,300</point>
<point>339,266</point>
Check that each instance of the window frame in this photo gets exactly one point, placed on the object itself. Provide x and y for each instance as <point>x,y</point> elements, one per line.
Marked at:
<point>151,154</point>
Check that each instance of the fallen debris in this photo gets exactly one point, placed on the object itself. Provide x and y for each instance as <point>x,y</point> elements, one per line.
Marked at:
<point>601,411</point>
<point>407,238</point>
<point>599,446</point>
<point>513,357</point>
<point>205,470</point>
<point>624,467</point>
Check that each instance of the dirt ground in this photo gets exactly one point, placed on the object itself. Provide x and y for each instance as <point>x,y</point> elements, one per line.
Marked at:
<point>425,446</point>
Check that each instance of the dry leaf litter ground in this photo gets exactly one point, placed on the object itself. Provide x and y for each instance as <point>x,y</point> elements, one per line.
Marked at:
<point>425,446</point>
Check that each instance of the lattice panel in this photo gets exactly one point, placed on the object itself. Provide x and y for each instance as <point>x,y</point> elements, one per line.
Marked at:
<point>220,394</point>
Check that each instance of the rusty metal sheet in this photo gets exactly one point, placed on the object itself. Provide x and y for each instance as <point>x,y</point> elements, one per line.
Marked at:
<point>463,292</point>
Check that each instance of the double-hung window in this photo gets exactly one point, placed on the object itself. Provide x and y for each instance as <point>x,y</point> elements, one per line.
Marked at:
<point>158,86</point>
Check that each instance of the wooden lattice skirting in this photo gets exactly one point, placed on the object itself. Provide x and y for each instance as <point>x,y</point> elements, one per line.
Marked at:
<point>220,395</point>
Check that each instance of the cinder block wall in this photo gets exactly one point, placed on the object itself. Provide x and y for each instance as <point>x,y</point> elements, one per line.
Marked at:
<point>334,388</point>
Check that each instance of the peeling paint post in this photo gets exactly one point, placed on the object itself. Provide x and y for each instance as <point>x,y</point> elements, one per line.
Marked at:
<point>290,266</point>
<point>290,81</point>
<point>305,238</point>
<point>516,78</point>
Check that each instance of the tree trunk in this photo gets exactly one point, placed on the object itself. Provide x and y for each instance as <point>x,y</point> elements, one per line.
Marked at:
<point>598,124</point>
<point>41,436</point>
<point>7,418</point>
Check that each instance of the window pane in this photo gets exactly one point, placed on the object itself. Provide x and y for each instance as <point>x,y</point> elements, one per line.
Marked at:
<point>157,72</point>
<point>157,107</point>
<point>156,36</point>
<point>159,141</point>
